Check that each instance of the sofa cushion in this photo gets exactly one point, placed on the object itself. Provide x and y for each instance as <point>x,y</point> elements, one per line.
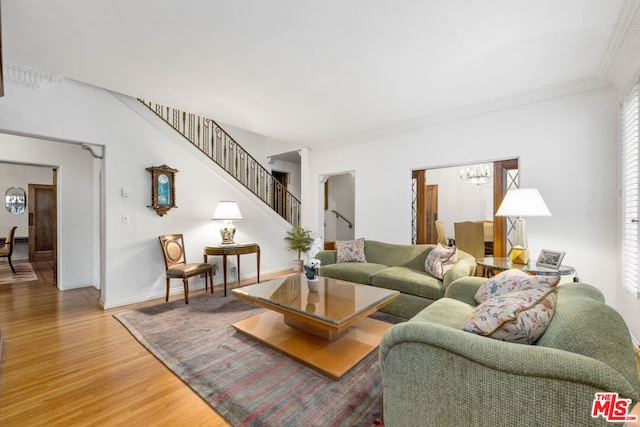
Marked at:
<point>446,312</point>
<point>350,251</point>
<point>513,280</point>
<point>396,255</point>
<point>440,260</point>
<point>357,272</point>
<point>519,317</point>
<point>409,281</point>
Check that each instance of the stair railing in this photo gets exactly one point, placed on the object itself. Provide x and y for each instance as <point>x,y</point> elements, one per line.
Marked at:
<point>219,146</point>
<point>339,215</point>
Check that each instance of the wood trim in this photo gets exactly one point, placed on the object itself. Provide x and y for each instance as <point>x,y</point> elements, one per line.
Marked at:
<point>500,169</point>
<point>421,211</point>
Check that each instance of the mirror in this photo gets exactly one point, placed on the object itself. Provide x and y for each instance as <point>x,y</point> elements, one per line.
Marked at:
<point>15,200</point>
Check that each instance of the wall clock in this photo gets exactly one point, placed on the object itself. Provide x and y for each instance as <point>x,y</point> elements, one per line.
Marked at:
<point>163,188</point>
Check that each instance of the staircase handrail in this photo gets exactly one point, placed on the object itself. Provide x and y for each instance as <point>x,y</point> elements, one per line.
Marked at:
<point>214,142</point>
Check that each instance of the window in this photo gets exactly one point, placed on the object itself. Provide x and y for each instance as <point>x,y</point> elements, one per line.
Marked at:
<point>629,188</point>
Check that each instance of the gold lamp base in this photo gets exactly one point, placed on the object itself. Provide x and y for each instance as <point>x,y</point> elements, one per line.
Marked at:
<point>520,256</point>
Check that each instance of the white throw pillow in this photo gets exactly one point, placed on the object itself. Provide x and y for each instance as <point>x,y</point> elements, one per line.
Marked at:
<point>440,260</point>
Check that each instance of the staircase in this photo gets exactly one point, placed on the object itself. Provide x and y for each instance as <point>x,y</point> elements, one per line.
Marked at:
<point>224,151</point>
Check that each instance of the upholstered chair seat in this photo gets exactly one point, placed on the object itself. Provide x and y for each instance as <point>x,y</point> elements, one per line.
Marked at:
<point>176,264</point>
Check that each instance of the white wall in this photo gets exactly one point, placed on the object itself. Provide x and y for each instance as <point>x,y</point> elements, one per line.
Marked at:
<point>13,175</point>
<point>133,266</point>
<point>567,148</point>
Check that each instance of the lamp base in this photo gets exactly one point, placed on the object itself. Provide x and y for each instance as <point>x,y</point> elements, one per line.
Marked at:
<point>520,256</point>
<point>227,232</point>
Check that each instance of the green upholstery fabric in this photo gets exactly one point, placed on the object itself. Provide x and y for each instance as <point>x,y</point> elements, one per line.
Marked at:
<point>392,255</point>
<point>327,257</point>
<point>464,289</point>
<point>594,335</point>
<point>397,267</point>
<point>409,281</point>
<point>434,373</point>
<point>446,312</point>
<point>406,306</point>
<point>357,272</point>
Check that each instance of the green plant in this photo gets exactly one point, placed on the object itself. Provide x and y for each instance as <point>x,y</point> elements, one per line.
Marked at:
<point>299,239</point>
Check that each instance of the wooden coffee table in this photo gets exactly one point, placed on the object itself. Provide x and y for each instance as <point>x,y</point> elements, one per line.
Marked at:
<point>327,330</point>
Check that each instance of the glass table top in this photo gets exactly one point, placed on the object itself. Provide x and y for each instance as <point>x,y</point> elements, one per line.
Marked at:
<point>336,301</point>
<point>504,263</point>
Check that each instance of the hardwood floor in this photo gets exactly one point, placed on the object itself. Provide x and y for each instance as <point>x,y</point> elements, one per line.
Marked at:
<point>69,362</point>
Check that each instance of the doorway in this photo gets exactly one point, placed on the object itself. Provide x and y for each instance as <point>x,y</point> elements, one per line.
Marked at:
<point>424,209</point>
<point>426,202</point>
<point>278,196</point>
<point>43,234</point>
<point>339,208</point>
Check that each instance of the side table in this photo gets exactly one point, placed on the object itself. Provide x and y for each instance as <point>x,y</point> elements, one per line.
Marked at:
<point>494,265</point>
<point>239,249</point>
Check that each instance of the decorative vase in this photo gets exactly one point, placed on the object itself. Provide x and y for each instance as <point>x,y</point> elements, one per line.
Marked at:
<point>313,285</point>
<point>297,265</point>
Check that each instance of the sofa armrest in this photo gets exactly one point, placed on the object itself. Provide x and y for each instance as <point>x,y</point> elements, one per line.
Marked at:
<point>465,266</point>
<point>327,257</point>
<point>464,289</point>
<point>434,374</point>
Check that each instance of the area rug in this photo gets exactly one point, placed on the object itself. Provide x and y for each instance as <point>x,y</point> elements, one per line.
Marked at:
<point>24,273</point>
<point>246,382</point>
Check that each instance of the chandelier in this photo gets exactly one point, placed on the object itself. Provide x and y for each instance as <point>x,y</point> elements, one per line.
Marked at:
<point>476,174</point>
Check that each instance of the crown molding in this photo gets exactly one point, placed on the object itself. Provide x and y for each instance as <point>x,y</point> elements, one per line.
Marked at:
<point>28,76</point>
<point>505,103</point>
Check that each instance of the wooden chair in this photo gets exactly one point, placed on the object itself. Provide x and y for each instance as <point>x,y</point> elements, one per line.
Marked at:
<point>470,237</point>
<point>442,236</point>
<point>7,250</point>
<point>176,264</point>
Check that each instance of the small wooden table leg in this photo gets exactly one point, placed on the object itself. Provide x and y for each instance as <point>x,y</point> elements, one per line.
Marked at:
<point>258,259</point>
<point>224,269</point>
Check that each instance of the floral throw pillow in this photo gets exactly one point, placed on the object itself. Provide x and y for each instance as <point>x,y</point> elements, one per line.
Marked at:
<point>350,251</point>
<point>440,260</point>
<point>513,280</point>
<point>518,317</point>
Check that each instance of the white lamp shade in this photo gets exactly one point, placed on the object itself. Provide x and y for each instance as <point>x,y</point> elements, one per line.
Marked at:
<point>523,202</point>
<point>227,211</point>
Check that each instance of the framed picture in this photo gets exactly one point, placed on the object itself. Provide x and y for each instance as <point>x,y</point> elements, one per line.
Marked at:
<point>163,189</point>
<point>550,259</point>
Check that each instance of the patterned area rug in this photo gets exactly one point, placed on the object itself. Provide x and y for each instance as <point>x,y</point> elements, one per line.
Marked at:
<point>24,273</point>
<point>246,382</point>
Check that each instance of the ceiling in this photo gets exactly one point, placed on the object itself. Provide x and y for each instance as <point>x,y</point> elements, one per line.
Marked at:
<point>315,72</point>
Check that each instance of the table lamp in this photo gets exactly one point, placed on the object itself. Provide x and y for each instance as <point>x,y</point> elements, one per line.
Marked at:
<point>227,212</point>
<point>522,202</point>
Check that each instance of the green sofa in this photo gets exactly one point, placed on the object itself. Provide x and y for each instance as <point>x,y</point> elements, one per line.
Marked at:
<point>436,374</point>
<point>400,268</point>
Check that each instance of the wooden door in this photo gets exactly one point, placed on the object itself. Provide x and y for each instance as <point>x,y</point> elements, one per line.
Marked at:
<point>42,223</point>
<point>426,209</point>
<point>431,213</point>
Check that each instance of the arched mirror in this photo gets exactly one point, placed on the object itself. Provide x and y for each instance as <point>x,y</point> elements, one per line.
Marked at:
<point>15,200</point>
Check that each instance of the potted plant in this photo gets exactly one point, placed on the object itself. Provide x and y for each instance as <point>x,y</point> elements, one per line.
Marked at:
<point>300,241</point>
